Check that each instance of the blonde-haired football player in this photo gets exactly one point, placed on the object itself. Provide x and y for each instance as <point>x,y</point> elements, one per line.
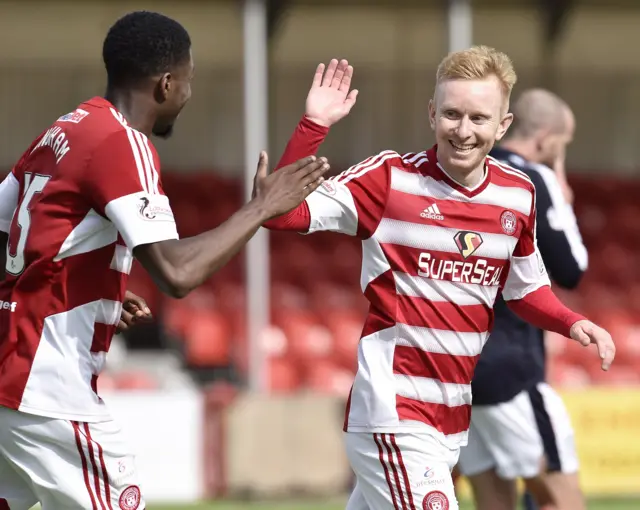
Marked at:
<point>443,230</point>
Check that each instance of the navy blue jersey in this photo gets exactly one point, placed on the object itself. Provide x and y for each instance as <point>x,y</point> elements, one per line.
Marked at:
<point>513,359</point>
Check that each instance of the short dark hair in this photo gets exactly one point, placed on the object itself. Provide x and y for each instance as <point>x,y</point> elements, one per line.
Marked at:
<point>142,44</point>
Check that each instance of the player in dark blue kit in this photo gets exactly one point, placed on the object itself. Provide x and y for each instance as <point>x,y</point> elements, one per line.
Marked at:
<point>519,426</point>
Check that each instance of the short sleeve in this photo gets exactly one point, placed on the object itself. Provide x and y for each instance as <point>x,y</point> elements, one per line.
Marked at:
<point>9,191</point>
<point>527,272</point>
<point>354,201</point>
<point>123,183</point>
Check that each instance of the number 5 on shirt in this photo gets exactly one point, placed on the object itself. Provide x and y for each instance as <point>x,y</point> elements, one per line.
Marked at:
<point>33,184</point>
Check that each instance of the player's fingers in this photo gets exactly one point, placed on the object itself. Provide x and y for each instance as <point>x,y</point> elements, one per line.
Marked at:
<point>583,338</point>
<point>345,84</point>
<point>306,171</point>
<point>137,305</point>
<point>328,74</point>
<point>339,74</point>
<point>311,187</point>
<point>126,317</point>
<point>317,77</point>
<point>299,166</point>
<point>607,351</point>
<point>263,165</point>
<point>122,326</point>
<point>316,175</point>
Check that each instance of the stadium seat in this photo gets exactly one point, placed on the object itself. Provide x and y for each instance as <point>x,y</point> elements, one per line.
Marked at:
<point>135,380</point>
<point>207,339</point>
<point>284,376</point>
<point>177,313</point>
<point>308,339</point>
<point>327,297</point>
<point>327,378</point>
<point>626,334</point>
<point>564,375</point>
<point>346,328</point>
<point>618,375</point>
<point>106,382</point>
<point>287,298</point>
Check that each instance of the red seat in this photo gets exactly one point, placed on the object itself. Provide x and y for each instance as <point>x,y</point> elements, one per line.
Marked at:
<point>567,376</point>
<point>135,380</point>
<point>177,313</point>
<point>308,339</point>
<point>346,328</point>
<point>284,376</point>
<point>327,378</point>
<point>106,382</point>
<point>617,375</point>
<point>207,339</point>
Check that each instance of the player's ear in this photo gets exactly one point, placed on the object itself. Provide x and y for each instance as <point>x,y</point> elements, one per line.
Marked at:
<point>504,126</point>
<point>432,114</point>
<point>163,87</point>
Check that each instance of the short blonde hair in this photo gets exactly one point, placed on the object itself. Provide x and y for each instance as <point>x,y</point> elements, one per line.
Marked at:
<point>476,63</point>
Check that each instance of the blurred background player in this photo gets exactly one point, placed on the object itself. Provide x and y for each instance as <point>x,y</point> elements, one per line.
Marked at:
<point>519,425</point>
<point>82,201</point>
<point>430,223</point>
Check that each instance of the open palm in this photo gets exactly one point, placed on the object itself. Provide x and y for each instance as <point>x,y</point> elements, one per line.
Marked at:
<point>329,98</point>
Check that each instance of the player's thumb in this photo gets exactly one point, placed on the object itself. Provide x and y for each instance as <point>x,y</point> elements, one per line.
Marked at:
<point>583,338</point>
<point>263,165</point>
<point>350,101</point>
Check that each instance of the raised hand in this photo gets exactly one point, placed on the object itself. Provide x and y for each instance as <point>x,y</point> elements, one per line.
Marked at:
<point>330,98</point>
<point>281,191</point>
<point>586,332</point>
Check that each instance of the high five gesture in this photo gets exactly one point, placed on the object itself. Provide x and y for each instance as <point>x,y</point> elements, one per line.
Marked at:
<point>330,98</point>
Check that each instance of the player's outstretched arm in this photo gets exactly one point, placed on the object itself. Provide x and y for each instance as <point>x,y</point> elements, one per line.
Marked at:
<point>527,292</point>
<point>180,265</point>
<point>544,310</point>
<point>330,98</point>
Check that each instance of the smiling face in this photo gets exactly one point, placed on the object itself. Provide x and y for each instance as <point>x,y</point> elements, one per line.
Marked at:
<point>468,117</point>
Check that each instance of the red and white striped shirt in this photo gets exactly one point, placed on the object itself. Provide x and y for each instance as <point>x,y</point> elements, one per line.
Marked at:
<point>84,194</point>
<point>435,256</point>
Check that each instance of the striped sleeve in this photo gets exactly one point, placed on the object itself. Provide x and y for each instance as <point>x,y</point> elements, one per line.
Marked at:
<point>353,202</point>
<point>123,183</point>
<point>527,272</point>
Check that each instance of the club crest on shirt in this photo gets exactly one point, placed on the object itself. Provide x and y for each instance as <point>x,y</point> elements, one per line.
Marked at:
<point>467,242</point>
<point>508,222</point>
<point>130,498</point>
<point>435,500</point>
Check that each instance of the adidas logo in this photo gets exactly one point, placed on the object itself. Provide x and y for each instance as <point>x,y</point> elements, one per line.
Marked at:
<point>432,213</point>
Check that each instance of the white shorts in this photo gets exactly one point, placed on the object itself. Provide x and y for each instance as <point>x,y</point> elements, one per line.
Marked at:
<point>400,472</point>
<point>514,437</point>
<point>65,465</point>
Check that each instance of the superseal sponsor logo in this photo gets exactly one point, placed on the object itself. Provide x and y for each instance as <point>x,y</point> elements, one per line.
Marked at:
<point>8,305</point>
<point>479,272</point>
